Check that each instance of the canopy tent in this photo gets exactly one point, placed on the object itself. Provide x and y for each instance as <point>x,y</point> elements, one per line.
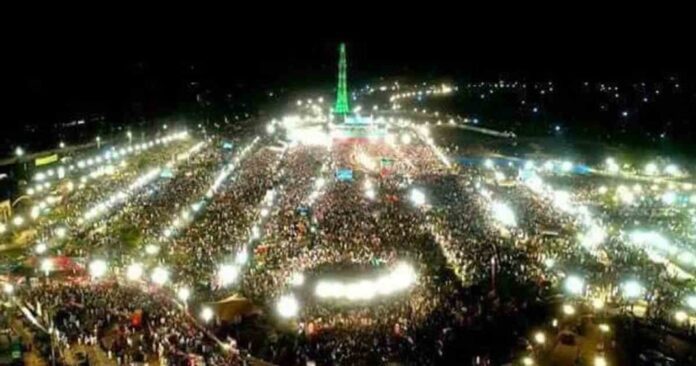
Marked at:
<point>233,306</point>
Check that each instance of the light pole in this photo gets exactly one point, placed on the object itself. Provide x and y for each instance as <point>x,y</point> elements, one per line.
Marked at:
<point>19,152</point>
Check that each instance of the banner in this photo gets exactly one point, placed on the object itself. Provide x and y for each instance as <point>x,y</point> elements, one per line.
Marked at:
<point>46,160</point>
<point>344,175</point>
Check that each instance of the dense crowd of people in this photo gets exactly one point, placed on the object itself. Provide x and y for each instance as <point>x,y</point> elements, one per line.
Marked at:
<point>476,278</point>
<point>130,324</point>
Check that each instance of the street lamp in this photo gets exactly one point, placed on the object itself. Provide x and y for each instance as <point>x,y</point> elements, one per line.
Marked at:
<point>47,266</point>
<point>600,361</point>
<point>691,301</point>
<point>417,197</point>
<point>207,314</point>
<point>160,276</point>
<point>61,232</point>
<point>227,273</point>
<point>183,294</point>
<point>62,145</point>
<point>681,316</point>
<point>632,289</point>
<point>574,285</point>
<point>287,306</point>
<point>41,248</point>
<point>540,338</point>
<point>134,271</point>
<point>97,268</point>
<point>19,152</point>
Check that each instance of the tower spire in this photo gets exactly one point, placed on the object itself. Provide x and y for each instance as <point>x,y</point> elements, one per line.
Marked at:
<point>341,107</point>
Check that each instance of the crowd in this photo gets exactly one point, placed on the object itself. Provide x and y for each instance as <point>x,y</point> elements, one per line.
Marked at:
<point>86,194</point>
<point>146,214</point>
<point>477,280</point>
<point>196,253</point>
<point>130,324</point>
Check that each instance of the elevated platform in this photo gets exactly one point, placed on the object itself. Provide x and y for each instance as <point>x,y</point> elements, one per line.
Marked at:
<point>358,129</point>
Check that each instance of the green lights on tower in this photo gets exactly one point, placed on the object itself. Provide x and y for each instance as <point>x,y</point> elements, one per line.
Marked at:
<point>341,107</point>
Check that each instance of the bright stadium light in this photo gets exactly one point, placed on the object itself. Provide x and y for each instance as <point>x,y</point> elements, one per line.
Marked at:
<point>242,257</point>
<point>183,293</point>
<point>227,274</point>
<point>668,198</point>
<point>134,271</point>
<point>612,166</point>
<point>160,275</point>
<point>370,193</point>
<point>207,314</point>
<point>566,166</point>
<point>595,236</point>
<point>691,301</point>
<point>568,309</point>
<point>672,170</point>
<point>527,361</point>
<point>681,316</point>
<point>600,361</point>
<point>597,303</point>
<point>632,289</point>
<point>287,306</point>
<point>651,169</point>
<point>626,197</point>
<point>488,163</point>
<point>540,338</point>
<point>562,200</point>
<point>297,279</point>
<point>97,268</point>
<point>41,248</point>
<point>406,138</point>
<point>503,214</point>
<point>417,197</point>
<point>399,279</point>
<point>151,249</point>
<point>47,265</point>
<point>61,232</point>
<point>574,285</point>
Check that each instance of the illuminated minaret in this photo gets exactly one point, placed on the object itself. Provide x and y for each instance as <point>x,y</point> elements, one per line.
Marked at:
<point>341,108</point>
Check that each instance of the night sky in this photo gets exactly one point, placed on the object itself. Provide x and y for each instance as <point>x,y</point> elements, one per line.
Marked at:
<point>134,76</point>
